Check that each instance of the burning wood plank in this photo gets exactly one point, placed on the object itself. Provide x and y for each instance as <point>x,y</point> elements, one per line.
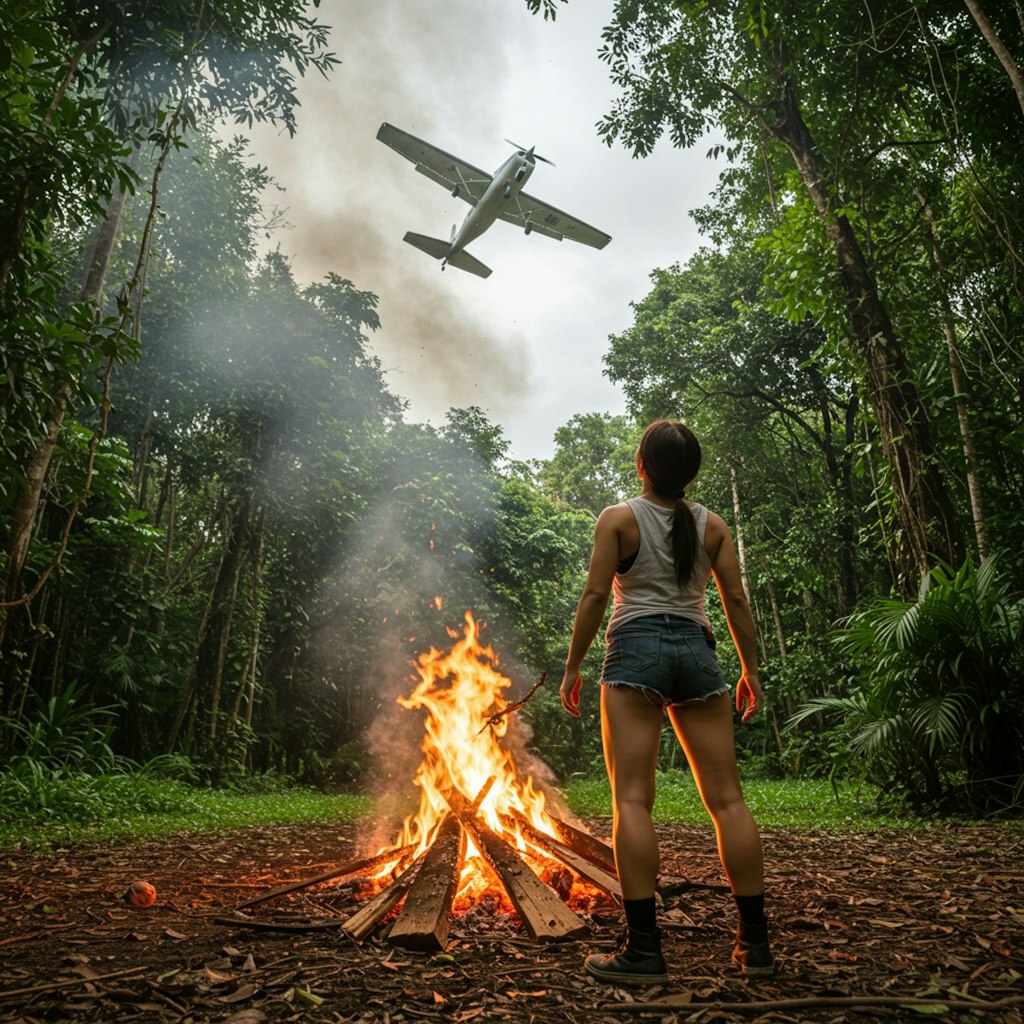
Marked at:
<point>364,920</point>
<point>544,915</point>
<point>585,844</point>
<point>345,869</point>
<point>589,872</point>
<point>423,921</point>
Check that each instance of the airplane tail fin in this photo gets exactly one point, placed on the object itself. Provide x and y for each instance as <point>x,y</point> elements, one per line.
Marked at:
<point>435,247</point>
<point>439,249</point>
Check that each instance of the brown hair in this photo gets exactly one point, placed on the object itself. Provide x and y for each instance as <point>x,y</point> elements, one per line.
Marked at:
<point>671,456</point>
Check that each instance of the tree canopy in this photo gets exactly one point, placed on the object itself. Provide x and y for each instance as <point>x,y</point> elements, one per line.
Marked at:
<point>223,539</point>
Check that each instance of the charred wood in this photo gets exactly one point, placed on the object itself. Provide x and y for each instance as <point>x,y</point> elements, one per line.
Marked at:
<point>423,921</point>
<point>345,869</point>
<point>364,920</point>
<point>543,914</point>
<point>583,843</point>
<point>598,877</point>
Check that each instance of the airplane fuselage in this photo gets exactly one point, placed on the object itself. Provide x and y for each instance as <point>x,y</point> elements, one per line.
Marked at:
<point>508,181</point>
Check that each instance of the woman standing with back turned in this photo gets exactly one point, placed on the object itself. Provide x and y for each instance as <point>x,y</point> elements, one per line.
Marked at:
<point>655,554</point>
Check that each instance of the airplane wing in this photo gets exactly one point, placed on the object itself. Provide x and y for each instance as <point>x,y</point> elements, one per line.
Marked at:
<point>460,178</point>
<point>546,220</point>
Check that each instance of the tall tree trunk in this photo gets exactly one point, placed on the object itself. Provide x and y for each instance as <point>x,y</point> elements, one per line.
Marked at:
<point>780,635</point>
<point>15,620</point>
<point>212,648</point>
<point>247,678</point>
<point>959,380</point>
<point>839,470</point>
<point>928,524</point>
<point>999,49</point>
<point>26,505</point>
<point>107,234</point>
<point>741,557</point>
<point>741,542</point>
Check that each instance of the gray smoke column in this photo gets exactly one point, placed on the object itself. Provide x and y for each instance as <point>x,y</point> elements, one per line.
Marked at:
<point>436,355</point>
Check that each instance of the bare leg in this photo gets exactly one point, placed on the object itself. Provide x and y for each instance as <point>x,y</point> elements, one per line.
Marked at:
<point>631,730</point>
<point>706,734</point>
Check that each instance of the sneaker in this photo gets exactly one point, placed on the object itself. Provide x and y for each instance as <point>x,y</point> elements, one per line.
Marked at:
<point>637,961</point>
<point>754,959</point>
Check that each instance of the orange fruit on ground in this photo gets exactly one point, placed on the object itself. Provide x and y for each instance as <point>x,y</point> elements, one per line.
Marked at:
<point>140,894</point>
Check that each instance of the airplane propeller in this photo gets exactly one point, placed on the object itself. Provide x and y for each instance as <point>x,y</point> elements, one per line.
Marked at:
<point>530,153</point>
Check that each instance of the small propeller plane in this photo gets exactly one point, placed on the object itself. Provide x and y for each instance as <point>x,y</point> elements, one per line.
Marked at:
<point>492,197</point>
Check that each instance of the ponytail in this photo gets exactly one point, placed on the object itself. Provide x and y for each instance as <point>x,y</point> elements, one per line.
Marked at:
<point>671,457</point>
<point>684,542</point>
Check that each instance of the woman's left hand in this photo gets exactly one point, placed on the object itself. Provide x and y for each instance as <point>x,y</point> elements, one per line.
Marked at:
<point>748,696</point>
<point>572,682</point>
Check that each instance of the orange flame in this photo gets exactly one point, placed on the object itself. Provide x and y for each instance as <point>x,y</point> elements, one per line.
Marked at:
<point>460,690</point>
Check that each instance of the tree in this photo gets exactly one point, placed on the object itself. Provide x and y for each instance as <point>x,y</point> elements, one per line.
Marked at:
<point>751,69</point>
<point>161,72</point>
<point>594,464</point>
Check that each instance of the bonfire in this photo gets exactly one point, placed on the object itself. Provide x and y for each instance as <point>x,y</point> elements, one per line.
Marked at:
<point>483,830</point>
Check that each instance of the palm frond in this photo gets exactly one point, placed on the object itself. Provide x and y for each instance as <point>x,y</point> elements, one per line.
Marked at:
<point>940,720</point>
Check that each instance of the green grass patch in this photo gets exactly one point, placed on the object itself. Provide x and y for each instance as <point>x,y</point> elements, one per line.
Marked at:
<point>808,804</point>
<point>53,806</point>
<point>89,809</point>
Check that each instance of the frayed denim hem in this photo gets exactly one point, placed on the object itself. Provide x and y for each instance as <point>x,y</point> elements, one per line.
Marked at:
<point>658,699</point>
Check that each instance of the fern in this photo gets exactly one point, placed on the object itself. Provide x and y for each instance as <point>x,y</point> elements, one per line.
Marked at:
<point>937,708</point>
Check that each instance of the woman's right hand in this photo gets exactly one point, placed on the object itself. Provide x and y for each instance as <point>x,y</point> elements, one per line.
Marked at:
<point>572,683</point>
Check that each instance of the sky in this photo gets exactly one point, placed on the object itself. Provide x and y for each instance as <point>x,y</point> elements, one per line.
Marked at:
<point>526,344</point>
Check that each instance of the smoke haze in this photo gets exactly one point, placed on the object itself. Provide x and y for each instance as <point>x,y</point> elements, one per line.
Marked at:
<point>407,65</point>
<point>527,344</point>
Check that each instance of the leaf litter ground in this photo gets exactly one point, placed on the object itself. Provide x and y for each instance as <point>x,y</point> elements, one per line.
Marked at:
<point>864,924</point>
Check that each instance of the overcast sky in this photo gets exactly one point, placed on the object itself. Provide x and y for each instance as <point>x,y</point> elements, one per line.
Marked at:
<point>526,344</point>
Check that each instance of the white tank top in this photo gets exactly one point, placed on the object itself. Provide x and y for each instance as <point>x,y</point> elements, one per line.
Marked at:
<point>649,586</point>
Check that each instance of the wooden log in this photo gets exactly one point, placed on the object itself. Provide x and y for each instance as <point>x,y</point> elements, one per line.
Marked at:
<point>543,914</point>
<point>277,926</point>
<point>583,843</point>
<point>364,920</point>
<point>598,877</point>
<point>484,790</point>
<point>423,921</point>
<point>326,876</point>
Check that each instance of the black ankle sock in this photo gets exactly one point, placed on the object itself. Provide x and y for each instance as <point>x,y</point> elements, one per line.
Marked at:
<point>751,910</point>
<point>640,914</point>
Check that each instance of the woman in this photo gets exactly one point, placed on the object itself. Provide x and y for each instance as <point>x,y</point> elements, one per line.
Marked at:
<point>655,554</point>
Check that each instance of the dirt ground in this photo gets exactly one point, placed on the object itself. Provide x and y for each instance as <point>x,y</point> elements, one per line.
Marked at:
<point>863,924</point>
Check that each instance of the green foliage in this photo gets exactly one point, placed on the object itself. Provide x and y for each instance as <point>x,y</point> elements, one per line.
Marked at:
<point>807,804</point>
<point>58,809</point>
<point>266,539</point>
<point>594,464</point>
<point>935,717</point>
<point>64,731</point>
<point>33,792</point>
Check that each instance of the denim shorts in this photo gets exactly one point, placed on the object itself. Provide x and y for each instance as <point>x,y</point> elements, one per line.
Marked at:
<point>667,658</point>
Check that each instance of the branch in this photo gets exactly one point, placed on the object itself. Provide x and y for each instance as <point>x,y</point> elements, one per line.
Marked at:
<point>496,718</point>
<point>978,1006</point>
<point>899,143</point>
<point>998,48</point>
<point>13,993</point>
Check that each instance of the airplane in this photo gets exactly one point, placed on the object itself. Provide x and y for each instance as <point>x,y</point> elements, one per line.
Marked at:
<point>492,197</point>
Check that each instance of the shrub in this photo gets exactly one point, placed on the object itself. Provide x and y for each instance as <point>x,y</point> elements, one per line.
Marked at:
<point>937,713</point>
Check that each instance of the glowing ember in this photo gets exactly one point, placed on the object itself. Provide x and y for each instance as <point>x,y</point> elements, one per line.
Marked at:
<point>460,690</point>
